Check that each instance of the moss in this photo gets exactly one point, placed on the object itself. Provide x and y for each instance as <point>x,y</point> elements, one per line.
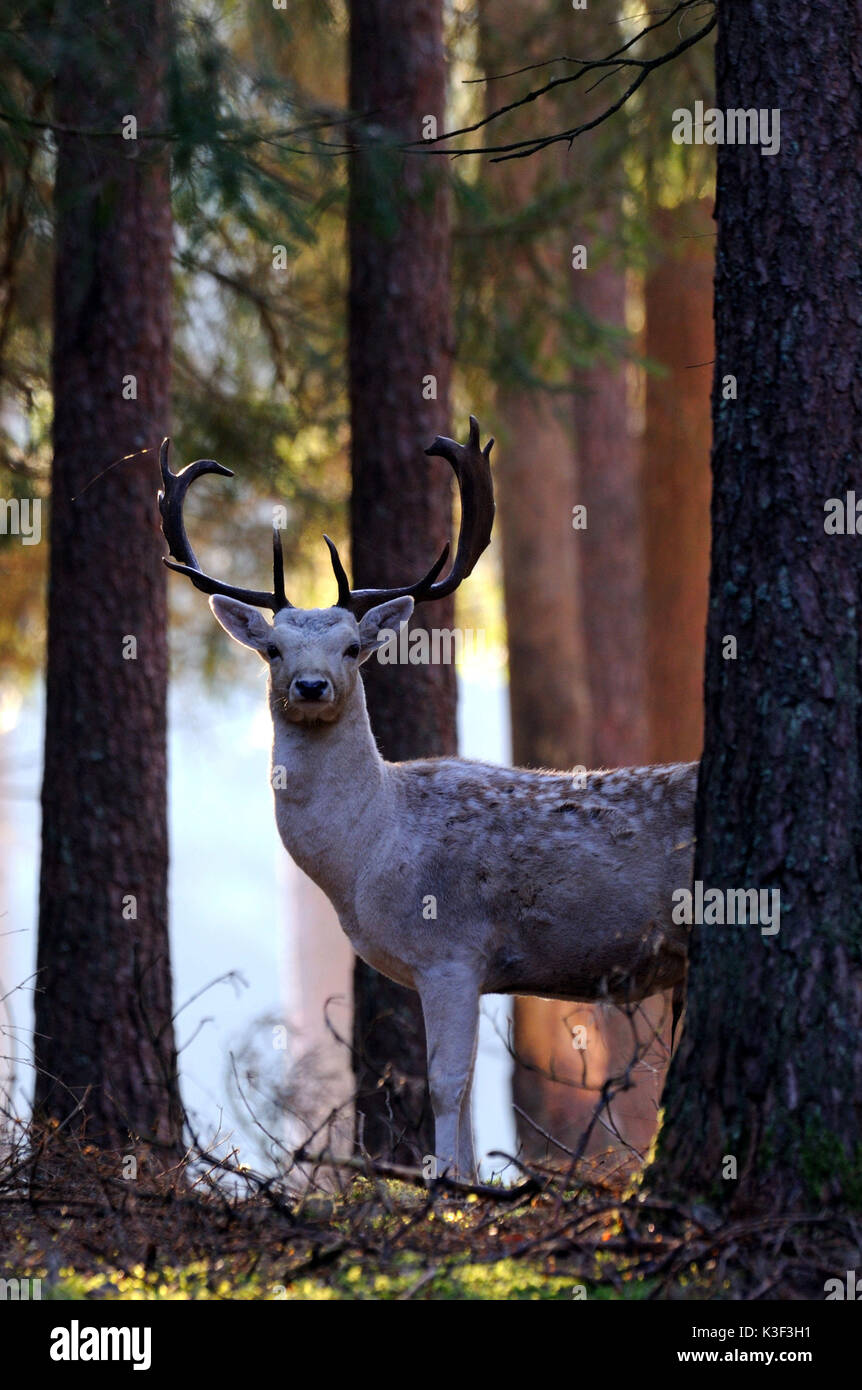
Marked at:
<point>461,1280</point>
<point>827,1167</point>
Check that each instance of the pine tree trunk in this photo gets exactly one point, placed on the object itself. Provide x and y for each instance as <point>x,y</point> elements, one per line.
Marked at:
<point>611,547</point>
<point>676,482</point>
<point>770,1067</point>
<point>103,1006</point>
<point>400,363</point>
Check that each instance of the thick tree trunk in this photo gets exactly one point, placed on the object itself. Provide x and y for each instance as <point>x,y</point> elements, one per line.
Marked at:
<point>400,362</point>
<point>103,1006</point>
<point>769,1072</point>
<point>676,482</point>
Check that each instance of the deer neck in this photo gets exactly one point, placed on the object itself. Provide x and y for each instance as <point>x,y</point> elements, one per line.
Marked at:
<point>331,794</point>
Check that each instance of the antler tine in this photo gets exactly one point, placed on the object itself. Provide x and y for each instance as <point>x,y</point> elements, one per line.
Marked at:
<point>343,600</point>
<point>358,601</point>
<point>472,468</point>
<point>278,571</point>
<point>171,499</point>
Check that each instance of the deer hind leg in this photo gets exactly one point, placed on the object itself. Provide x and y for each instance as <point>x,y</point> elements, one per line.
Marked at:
<point>450,1005</point>
<point>466,1150</point>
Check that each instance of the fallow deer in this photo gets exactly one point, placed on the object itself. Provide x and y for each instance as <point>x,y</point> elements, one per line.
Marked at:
<point>542,883</point>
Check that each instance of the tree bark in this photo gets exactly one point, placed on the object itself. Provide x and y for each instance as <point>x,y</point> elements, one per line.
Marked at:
<point>103,1004</point>
<point>400,364</point>
<point>769,1072</point>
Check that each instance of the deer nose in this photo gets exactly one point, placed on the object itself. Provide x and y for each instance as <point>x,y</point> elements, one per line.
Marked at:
<point>311,690</point>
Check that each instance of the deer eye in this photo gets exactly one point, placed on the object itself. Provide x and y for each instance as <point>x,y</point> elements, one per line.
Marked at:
<point>272,651</point>
<point>352,650</point>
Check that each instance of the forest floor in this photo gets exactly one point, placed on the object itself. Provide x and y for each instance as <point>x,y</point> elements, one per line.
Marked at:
<point>207,1230</point>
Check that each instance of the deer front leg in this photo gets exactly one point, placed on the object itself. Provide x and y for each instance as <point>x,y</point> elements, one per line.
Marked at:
<point>450,1005</point>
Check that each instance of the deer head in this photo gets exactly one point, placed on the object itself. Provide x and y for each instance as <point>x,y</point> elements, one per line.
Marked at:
<point>314,654</point>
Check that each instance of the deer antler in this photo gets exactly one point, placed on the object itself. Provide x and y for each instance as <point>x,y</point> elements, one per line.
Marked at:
<point>171,500</point>
<point>472,468</point>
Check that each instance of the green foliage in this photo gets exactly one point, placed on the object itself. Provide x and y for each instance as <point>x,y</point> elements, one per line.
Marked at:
<point>257,126</point>
<point>461,1280</point>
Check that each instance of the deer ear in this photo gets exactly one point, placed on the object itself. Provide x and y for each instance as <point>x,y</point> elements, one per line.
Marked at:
<point>245,624</point>
<point>379,624</point>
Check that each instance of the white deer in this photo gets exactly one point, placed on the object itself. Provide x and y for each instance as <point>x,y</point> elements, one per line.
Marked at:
<point>455,878</point>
